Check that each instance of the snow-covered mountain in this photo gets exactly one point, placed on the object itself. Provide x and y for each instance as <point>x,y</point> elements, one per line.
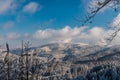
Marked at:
<point>71,61</point>
<point>80,51</point>
<point>3,54</point>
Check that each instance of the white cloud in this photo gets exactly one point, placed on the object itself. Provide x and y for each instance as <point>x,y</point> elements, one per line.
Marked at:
<point>6,5</point>
<point>13,6</point>
<point>8,25</point>
<point>96,31</point>
<point>67,34</point>
<point>63,35</point>
<point>93,36</point>
<point>116,22</point>
<point>92,6</point>
<point>95,4</point>
<point>32,7</point>
<point>13,35</point>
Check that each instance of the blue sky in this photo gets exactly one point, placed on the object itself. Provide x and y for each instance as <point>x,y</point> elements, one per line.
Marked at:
<point>42,21</point>
<point>58,13</point>
<point>54,14</point>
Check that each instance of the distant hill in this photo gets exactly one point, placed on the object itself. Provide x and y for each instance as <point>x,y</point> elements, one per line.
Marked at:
<point>74,61</point>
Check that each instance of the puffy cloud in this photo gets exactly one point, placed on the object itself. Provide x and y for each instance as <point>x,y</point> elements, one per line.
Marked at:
<point>95,4</point>
<point>8,25</point>
<point>17,7</point>
<point>96,31</point>
<point>63,35</point>
<point>116,22</point>
<point>6,6</point>
<point>75,35</point>
<point>32,7</point>
<point>13,35</point>
<point>92,36</point>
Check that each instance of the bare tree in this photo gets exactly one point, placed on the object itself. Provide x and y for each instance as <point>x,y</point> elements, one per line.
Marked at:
<point>94,10</point>
<point>7,61</point>
<point>27,48</point>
